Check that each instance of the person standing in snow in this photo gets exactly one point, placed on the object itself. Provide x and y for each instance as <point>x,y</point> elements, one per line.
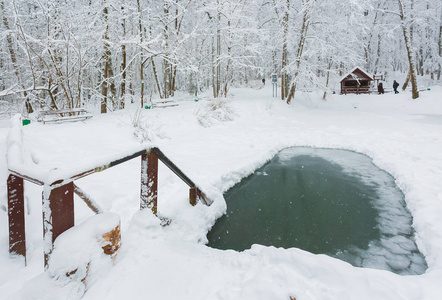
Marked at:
<point>380,88</point>
<point>395,86</point>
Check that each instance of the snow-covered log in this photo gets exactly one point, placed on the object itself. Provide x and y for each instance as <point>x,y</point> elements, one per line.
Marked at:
<point>85,251</point>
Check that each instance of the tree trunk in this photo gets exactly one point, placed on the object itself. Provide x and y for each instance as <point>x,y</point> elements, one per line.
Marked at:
<point>367,49</point>
<point>108,85</point>
<point>173,81</point>
<point>284,62</point>
<point>155,75</point>
<point>378,55</point>
<point>140,29</point>
<point>407,80</point>
<point>142,83</point>
<point>213,70</point>
<point>166,62</point>
<point>440,50</point>
<point>218,54</point>
<point>13,56</point>
<point>229,60</point>
<point>330,63</point>
<point>166,78</point>
<point>177,28</point>
<point>301,44</point>
<point>112,87</point>
<point>106,59</point>
<point>408,46</point>
<point>123,67</point>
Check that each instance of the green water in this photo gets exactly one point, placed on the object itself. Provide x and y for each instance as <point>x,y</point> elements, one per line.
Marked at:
<point>313,203</point>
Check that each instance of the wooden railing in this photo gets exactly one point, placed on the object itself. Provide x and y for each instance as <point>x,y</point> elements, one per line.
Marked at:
<point>58,196</point>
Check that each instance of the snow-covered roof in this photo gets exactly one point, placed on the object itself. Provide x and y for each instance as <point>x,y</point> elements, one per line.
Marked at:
<point>354,69</point>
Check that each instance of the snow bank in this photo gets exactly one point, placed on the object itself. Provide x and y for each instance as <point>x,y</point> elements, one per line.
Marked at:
<point>214,111</point>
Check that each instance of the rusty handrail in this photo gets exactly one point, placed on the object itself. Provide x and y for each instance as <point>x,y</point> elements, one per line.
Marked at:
<point>98,168</point>
<point>161,156</point>
<point>58,197</point>
<point>28,178</point>
<point>194,188</point>
<point>80,174</point>
<point>165,160</point>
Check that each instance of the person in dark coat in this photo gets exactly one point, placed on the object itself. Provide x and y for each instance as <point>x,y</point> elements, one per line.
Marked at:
<point>380,88</point>
<point>395,86</point>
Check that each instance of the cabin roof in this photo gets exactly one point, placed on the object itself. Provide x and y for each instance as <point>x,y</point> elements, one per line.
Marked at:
<point>361,70</point>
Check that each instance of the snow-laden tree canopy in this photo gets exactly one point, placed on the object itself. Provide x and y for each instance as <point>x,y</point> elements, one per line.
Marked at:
<point>58,53</point>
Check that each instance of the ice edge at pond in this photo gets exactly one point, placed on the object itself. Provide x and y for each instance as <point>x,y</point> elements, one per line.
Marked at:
<point>396,249</point>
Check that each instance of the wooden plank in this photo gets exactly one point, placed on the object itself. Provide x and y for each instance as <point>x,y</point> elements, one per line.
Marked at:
<point>58,215</point>
<point>149,182</point>
<point>16,216</point>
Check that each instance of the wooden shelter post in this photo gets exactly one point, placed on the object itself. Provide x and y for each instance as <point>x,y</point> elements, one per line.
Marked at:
<point>58,214</point>
<point>149,181</point>
<point>16,216</point>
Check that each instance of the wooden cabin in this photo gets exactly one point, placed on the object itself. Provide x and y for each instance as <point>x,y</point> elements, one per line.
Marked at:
<point>357,76</point>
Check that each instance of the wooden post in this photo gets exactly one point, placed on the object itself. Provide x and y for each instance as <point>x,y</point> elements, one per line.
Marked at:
<point>149,181</point>
<point>144,181</point>
<point>58,214</point>
<point>193,194</point>
<point>16,216</point>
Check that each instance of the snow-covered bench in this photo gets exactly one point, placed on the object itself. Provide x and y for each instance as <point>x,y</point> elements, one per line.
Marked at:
<point>164,103</point>
<point>63,115</point>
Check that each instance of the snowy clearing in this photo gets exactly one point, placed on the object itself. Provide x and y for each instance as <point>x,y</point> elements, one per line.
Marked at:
<point>402,136</point>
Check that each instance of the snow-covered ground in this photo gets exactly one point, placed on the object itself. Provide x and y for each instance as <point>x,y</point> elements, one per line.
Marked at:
<point>402,136</point>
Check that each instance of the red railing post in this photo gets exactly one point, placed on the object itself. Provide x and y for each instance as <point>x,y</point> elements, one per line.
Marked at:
<point>16,216</point>
<point>58,214</point>
<point>149,181</point>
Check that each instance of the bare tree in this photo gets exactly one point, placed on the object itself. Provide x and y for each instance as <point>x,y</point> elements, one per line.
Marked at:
<point>301,45</point>
<point>13,56</point>
<point>406,22</point>
<point>108,84</point>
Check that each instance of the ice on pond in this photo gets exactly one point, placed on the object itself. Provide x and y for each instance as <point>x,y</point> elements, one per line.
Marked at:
<point>334,202</point>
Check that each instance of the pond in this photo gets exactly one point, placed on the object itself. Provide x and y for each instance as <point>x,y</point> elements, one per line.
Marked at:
<point>333,202</point>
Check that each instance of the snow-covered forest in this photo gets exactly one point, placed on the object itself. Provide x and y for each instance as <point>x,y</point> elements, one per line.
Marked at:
<point>207,58</point>
<point>65,54</point>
